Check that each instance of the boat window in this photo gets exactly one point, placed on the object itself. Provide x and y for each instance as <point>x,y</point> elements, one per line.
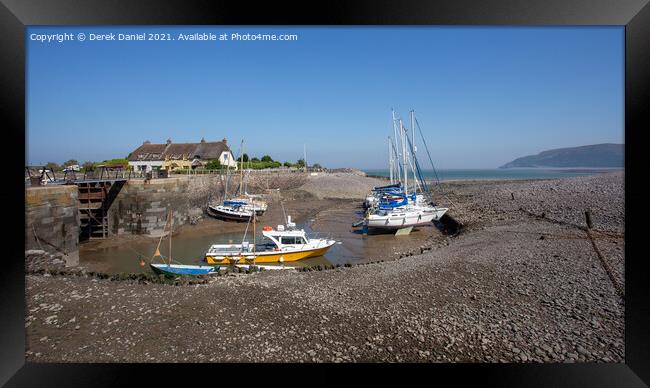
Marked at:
<point>288,240</point>
<point>300,240</point>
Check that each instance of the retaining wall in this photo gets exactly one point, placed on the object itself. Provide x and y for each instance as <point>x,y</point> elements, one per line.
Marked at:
<point>141,206</point>
<point>52,221</point>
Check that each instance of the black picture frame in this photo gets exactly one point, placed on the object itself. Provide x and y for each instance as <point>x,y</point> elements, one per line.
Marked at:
<point>634,15</point>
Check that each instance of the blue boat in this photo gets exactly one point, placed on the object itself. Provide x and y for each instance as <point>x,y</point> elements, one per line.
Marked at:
<point>173,270</point>
<point>181,269</point>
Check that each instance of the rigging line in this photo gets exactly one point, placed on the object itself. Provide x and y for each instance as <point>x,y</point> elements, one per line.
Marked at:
<point>423,183</point>
<point>399,161</point>
<point>161,237</point>
<point>139,254</point>
<point>283,212</point>
<point>427,149</point>
<point>435,172</point>
<point>245,232</point>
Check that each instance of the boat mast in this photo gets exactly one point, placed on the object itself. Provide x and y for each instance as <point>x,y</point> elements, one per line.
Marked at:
<point>241,167</point>
<point>304,155</point>
<point>415,178</point>
<point>254,257</point>
<point>225,190</point>
<point>396,156</point>
<point>390,160</point>
<point>406,177</point>
<point>171,220</point>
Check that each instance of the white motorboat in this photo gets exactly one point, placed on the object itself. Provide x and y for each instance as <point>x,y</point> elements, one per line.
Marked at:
<point>283,244</point>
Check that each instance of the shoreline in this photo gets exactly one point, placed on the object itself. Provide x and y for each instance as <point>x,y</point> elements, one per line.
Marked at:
<point>588,171</point>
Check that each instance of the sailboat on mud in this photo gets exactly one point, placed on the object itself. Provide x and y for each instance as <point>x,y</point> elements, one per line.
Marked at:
<point>174,270</point>
<point>394,207</point>
<point>241,208</point>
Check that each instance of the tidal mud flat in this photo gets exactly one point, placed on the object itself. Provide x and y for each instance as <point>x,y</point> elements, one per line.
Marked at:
<point>524,282</point>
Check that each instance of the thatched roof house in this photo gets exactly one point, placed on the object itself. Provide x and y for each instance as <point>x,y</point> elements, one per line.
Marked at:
<point>180,155</point>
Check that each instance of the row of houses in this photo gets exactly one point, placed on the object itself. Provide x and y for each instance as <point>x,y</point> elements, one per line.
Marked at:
<point>180,156</point>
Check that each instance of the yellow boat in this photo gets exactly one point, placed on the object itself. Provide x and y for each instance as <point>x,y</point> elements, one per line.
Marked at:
<point>282,244</point>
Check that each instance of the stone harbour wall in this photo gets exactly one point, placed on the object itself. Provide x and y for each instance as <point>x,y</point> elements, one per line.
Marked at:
<point>141,207</point>
<point>52,221</point>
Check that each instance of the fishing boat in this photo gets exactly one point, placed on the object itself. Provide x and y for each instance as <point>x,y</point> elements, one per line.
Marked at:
<point>392,207</point>
<point>176,269</point>
<point>282,244</point>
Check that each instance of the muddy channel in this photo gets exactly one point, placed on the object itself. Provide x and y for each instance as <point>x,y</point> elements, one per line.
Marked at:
<point>320,218</point>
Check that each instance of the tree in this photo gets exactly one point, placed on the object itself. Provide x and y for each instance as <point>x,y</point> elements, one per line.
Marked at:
<point>214,164</point>
<point>88,166</point>
<point>245,157</point>
<point>255,160</point>
<point>52,166</point>
<point>71,162</point>
<point>110,162</point>
<point>266,158</point>
<point>287,164</point>
<point>316,165</point>
<point>301,162</point>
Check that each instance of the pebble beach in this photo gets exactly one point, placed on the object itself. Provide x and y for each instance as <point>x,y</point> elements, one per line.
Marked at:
<point>524,281</point>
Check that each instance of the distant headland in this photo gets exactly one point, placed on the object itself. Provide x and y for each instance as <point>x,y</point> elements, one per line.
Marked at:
<point>594,156</point>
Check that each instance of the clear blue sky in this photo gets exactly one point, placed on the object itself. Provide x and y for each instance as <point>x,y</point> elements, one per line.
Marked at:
<point>483,95</point>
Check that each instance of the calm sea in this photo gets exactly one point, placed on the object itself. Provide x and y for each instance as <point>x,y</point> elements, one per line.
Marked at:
<point>501,173</point>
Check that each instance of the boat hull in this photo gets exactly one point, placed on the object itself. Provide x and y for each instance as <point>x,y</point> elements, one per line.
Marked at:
<point>234,216</point>
<point>178,270</point>
<point>399,220</point>
<point>267,257</point>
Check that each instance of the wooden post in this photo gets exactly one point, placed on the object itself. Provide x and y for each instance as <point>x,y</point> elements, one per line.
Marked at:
<point>588,219</point>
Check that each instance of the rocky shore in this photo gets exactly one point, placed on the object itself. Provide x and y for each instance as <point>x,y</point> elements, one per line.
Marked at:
<point>525,281</point>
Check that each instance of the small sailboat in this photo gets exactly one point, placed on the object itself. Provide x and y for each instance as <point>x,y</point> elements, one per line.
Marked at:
<point>173,270</point>
<point>241,208</point>
<point>233,210</point>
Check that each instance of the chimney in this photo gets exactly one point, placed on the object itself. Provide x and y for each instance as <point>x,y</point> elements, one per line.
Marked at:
<point>169,141</point>
<point>202,140</point>
<point>146,142</point>
<point>225,141</point>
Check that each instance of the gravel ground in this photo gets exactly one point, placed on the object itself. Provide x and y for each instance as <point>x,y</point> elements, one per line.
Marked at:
<point>340,185</point>
<point>513,287</point>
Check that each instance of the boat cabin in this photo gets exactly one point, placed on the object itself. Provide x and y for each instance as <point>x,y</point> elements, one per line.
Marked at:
<point>282,238</point>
